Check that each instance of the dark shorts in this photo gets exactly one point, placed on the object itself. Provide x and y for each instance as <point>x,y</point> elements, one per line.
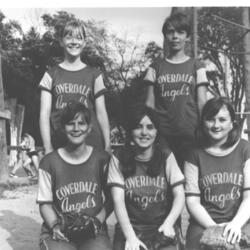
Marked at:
<point>100,242</point>
<point>146,236</point>
<point>31,153</point>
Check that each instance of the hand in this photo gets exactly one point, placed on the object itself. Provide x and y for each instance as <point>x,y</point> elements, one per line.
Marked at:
<point>233,232</point>
<point>108,149</point>
<point>58,235</point>
<point>48,149</point>
<point>167,230</point>
<point>134,244</point>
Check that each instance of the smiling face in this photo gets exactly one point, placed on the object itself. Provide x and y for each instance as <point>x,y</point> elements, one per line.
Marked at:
<point>73,43</point>
<point>77,130</point>
<point>218,127</point>
<point>144,134</point>
<point>175,39</point>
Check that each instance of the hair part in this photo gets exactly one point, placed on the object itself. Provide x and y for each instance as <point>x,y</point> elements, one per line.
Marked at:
<point>73,26</point>
<point>127,155</point>
<point>179,21</point>
<point>211,109</point>
<point>70,112</point>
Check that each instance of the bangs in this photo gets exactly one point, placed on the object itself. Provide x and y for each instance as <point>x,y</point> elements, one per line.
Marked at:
<point>73,31</point>
<point>73,110</point>
<point>74,28</point>
<point>180,25</point>
<point>212,111</point>
<point>138,114</point>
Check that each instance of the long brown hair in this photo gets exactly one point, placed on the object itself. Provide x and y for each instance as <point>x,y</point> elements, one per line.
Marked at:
<point>127,154</point>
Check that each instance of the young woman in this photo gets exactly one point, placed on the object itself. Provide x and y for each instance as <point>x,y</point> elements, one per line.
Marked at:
<point>72,182</point>
<point>73,80</point>
<point>146,186</point>
<point>218,176</point>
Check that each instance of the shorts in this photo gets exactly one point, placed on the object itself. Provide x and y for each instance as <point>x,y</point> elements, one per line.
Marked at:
<point>144,235</point>
<point>100,242</point>
<point>31,153</point>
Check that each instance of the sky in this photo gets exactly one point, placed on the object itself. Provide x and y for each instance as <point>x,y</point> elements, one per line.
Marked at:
<point>144,23</point>
<point>136,18</point>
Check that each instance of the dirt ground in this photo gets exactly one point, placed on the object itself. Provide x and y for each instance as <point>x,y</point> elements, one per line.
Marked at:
<point>20,220</point>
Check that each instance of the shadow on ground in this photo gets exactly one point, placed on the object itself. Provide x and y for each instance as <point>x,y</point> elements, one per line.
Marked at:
<point>19,227</point>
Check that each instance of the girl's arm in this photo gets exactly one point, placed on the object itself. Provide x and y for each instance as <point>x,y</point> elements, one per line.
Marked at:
<point>198,212</point>
<point>178,203</point>
<point>44,120</point>
<point>202,83</point>
<point>132,242</point>
<point>150,100</point>
<point>101,113</point>
<point>51,220</point>
<point>201,97</point>
<point>150,77</point>
<point>233,228</point>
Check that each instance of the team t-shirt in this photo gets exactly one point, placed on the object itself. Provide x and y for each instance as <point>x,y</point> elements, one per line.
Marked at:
<point>218,179</point>
<point>65,86</point>
<point>73,187</point>
<point>148,199</point>
<point>175,94</point>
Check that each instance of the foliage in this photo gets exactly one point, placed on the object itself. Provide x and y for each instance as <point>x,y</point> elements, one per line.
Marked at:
<point>221,42</point>
<point>28,55</point>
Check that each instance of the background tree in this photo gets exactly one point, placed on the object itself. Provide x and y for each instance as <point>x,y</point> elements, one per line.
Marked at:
<point>122,60</point>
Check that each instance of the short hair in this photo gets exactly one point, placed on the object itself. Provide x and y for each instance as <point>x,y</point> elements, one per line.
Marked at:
<point>71,110</point>
<point>211,109</point>
<point>71,26</point>
<point>179,21</point>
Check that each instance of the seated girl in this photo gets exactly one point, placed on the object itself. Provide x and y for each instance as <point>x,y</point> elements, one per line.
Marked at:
<point>147,188</point>
<point>218,176</point>
<point>71,187</point>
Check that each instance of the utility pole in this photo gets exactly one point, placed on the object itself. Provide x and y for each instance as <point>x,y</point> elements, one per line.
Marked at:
<point>246,60</point>
<point>3,145</point>
<point>195,32</point>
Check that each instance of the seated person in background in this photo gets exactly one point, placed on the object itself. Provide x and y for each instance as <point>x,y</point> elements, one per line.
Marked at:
<point>27,155</point>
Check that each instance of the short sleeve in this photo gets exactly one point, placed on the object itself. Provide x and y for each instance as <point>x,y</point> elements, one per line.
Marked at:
<point>115,177</point>
<point>99,88</point>
<point>150,75</point>
<point>201,75</point>
<point>191,173</point>
<point>44,194</point>
<point>46,82</point>
<point>173,172</point>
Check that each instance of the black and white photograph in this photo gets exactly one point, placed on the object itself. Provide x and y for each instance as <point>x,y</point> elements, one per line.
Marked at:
<point>124,126</point>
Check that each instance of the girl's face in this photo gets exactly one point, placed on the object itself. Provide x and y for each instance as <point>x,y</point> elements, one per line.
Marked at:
<point>144,134</point>
<point>73,43</point>
<point>77,130</point>
<point>218,127</point>
<point>175,39</point>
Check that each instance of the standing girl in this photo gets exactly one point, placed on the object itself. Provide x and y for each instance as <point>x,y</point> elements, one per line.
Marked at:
<point>71,185</point>
<point>177,88</point>
<point>218,176</point>
<point>147,188</point>
<point>72,80</point>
